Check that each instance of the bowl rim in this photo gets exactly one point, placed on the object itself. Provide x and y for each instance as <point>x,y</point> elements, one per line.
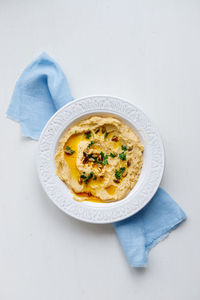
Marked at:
<point>81,215</point>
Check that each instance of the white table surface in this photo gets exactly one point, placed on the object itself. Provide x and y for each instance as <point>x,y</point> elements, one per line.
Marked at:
<point>145,51</point>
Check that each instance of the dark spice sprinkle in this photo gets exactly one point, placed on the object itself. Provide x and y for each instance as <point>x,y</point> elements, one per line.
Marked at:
<point>88,131</point>
<point>116,181</point>
<point>103,129</point>
<point>128,163</point>
<point>69,151</point>
<point>130,148</point>
<point>86,159</point>
<point>97,130</point>
<point>115,138</point>
<point>122,156</point>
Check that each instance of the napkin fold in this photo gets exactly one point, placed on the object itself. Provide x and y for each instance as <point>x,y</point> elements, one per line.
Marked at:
<point>40,91</point>
<point>139,233</point>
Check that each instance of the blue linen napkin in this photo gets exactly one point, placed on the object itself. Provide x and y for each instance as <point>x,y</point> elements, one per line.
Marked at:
<point>139,233</point>
<point>40,91</point>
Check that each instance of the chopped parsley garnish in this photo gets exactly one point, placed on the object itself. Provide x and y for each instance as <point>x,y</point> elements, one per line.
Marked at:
<point>105,160</point>
<point>87,178</point>
<point>105,135</point>
<point>122,156</point>
<point>88,135</point>
<point>90,144</point>
<point>113,154</point>
<point>102,154</point>
<point>95,160</point>
<point>69,151</point>
<point>124,148</point>
<point>119,173</point>
<point>95,177</point>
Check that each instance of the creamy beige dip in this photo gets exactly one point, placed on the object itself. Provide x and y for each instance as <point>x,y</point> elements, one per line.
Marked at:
<point>100,159</point>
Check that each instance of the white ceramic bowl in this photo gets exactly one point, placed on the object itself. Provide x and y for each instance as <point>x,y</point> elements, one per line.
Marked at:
<point>151,173</point>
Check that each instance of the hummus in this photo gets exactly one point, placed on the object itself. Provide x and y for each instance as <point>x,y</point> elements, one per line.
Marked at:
<point>100,159</point>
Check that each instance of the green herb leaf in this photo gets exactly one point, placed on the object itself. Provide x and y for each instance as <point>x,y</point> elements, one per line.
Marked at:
<point>90,144</point>
<point>95,160</point>
<point>102,155</point>
<point>105,135</point>
<point>88,177</point>
<point>118,173</point>
<point>95,177</point>
<point>124,148</point>
<point>105,160</point>
<point>122,156</point>
<point>113,154</point>
<point>88,135</point>
<point>69,151</point>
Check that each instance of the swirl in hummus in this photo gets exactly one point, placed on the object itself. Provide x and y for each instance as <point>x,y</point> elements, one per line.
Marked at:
<point>100,159</point>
